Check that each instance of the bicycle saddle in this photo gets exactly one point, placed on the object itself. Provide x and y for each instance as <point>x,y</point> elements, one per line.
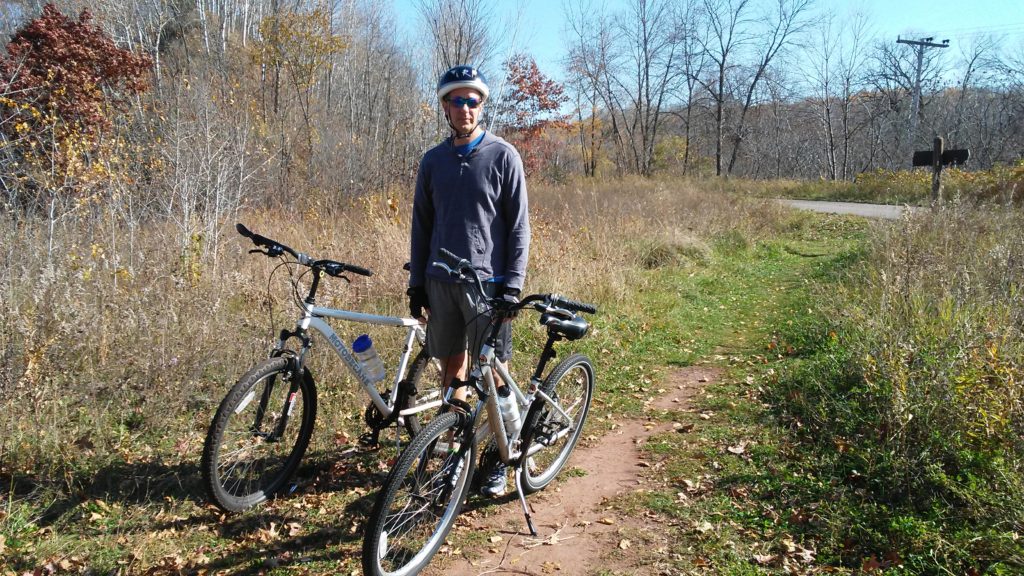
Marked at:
<point>565,323</point>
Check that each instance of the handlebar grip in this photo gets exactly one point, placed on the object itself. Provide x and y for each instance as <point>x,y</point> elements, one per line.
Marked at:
<point>573,305</point>
<point>241,229</point>
<point>452,259</point>
<point>359,270</point>
<point>260,240</point>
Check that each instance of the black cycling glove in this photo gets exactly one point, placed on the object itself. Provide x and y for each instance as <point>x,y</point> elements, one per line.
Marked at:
<point>511,297</point>
<point>417,300</point>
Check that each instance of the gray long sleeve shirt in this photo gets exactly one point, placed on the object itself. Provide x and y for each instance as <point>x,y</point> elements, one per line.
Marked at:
<point>476,207</point>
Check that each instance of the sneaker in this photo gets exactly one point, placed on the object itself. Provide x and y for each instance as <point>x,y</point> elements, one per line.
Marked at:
<point>494,483</point>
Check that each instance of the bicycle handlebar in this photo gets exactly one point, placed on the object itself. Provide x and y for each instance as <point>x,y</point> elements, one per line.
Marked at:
<point>574,305</point>
<point>463,269</point>
<point>275,249</point>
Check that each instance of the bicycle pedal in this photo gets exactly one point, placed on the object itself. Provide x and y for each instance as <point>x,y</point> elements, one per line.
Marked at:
<point>369,439</point>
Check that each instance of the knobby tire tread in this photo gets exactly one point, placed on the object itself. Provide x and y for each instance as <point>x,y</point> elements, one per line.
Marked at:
<point>225,412</point>
<point>537,411</point>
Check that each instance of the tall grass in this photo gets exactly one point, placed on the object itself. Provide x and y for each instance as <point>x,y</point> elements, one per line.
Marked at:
<point>914,393</point>
<point>1002,184</point>
<point>118,339</point>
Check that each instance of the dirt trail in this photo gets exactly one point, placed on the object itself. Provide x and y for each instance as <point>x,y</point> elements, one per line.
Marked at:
<point>578,534</point>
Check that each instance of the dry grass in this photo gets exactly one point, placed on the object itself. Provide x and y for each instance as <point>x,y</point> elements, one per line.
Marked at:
<point>118,339</point>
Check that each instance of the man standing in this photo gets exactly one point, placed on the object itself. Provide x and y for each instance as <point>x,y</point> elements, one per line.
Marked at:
<point>471,200</point>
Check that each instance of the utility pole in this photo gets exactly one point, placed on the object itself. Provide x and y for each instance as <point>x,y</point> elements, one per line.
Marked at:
<point>919,46</point>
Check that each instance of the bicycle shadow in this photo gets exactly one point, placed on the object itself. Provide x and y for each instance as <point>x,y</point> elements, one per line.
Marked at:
<point>321,538</point>
<point>139,484</point>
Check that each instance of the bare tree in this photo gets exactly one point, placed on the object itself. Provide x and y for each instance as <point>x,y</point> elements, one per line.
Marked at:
<point>784,24</point>
<point>651,38</point>
<point>632,63</point>
<point>694,62</point>
<point>725,22</point>
<point>461,31</point>
<point>591,66</point>
<point>894,80</point>
<point>837,63</point>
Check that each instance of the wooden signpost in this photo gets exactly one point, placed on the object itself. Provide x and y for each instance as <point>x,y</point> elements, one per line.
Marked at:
<point>937,158</point>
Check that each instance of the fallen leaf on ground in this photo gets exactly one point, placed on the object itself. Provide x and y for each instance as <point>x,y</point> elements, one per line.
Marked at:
<point>624,544</point>
<point>549,567</point>
<point>738,449</point>
<point>606,521</point>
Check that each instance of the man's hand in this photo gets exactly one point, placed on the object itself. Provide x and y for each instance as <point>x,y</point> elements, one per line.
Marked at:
<point>511,297</point>
<point>418,302</point>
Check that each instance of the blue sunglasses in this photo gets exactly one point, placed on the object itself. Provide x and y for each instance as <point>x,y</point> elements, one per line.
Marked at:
<point>459,102</point>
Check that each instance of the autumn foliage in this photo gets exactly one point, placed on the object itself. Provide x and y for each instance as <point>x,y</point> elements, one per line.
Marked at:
<point>66,82</point>
<point>71,68</point>
<point>531,107</point>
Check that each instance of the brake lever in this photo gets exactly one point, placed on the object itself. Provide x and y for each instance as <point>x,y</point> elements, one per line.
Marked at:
<point>272,251</point>
<point>453,273</point>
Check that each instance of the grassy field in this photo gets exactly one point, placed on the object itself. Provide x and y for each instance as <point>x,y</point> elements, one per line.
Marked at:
<point>117,348</point>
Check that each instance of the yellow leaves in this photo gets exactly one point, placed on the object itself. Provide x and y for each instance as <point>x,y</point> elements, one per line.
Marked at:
<point>301,42</point>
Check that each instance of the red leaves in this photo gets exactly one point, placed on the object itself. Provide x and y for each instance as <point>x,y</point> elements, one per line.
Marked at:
<point>531,106</point>
<point>71,69</point>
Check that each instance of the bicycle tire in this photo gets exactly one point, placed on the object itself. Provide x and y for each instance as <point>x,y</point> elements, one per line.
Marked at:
<point>425,374</point>
<point>409,524</point>
<point>240,467</point>
<point>571,384</point>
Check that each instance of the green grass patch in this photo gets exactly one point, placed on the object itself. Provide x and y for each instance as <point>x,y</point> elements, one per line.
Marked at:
<point>790,463</point>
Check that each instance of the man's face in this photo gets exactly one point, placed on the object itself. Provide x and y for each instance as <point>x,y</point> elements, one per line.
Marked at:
<point>462,116</point>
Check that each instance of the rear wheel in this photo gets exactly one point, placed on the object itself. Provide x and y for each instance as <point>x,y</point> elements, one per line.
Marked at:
<point>571,385</point>
<point>420,500</point>
<point>425,377</point>
<point>259,435</point>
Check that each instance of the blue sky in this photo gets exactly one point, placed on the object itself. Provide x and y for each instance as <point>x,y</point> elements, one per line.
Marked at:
<point>543,21</point>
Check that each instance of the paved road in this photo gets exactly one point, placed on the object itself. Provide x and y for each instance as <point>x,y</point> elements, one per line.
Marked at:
<point>885,211</point>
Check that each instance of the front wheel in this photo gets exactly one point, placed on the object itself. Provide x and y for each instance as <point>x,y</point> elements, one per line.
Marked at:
<point>549,434</point>
<point>417,506</point>
<point>259,435</point>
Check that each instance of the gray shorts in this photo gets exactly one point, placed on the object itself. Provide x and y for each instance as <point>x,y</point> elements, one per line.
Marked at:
<point>459,320</point>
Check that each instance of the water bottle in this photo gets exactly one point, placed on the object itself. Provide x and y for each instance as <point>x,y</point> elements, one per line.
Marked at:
<point>509,408</point>
<point>364,352</point>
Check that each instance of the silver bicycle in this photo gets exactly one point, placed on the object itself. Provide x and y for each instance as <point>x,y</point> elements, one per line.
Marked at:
<point>424,492</point>
<point>263,426</point>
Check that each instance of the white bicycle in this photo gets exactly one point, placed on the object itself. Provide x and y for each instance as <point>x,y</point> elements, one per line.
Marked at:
<point>424,492</point>
<point>263,426</point>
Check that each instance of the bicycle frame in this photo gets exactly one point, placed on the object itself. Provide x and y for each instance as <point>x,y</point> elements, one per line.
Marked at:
<point>313,317</point>
<point>484,370</point>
